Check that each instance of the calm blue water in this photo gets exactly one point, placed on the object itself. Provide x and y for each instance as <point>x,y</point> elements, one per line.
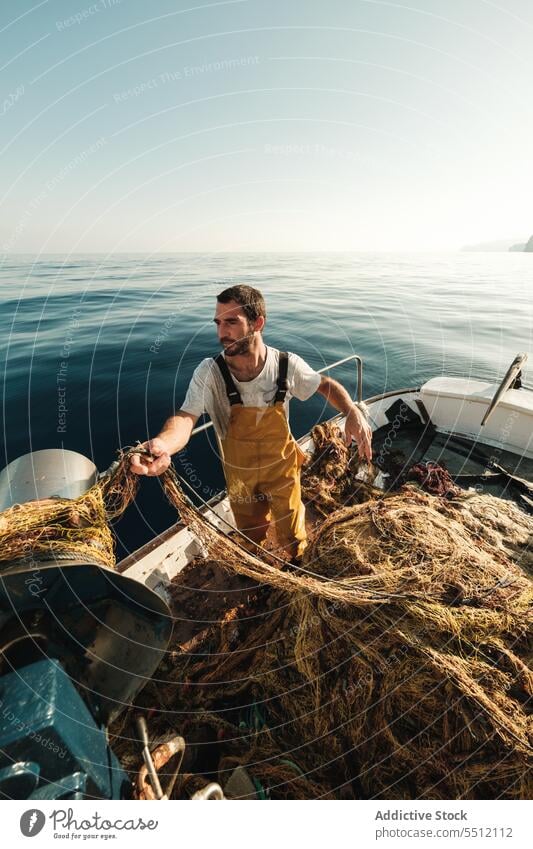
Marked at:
<point>120,337</point>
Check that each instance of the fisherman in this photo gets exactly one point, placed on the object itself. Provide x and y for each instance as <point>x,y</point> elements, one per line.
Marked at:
<point>246,391</point>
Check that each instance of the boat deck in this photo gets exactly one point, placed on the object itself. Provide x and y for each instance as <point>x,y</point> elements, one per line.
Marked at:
<point>470,464</point>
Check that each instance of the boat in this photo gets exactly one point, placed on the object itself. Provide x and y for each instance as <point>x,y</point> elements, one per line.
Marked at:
<point>480,430</point>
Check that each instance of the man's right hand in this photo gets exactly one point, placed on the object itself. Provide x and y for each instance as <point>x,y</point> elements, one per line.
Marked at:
<point>141,464</point>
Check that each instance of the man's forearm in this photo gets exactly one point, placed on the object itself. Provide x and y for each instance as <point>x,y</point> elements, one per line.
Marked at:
<point>176,432</point>
<point>336,395</point>
<point>356,425</point>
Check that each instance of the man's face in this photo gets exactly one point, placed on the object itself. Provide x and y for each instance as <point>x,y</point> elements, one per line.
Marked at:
<point>235,332</point>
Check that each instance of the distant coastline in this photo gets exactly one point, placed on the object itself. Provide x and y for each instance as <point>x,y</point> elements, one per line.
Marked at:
<point>503,245</point>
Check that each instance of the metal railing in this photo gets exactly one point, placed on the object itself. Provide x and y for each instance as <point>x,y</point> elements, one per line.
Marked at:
<point>512,378</point>
<point>356,357</point>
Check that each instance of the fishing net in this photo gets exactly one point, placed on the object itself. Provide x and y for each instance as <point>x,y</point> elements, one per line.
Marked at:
<point>395,662</point>
<point>55,529</point>
<point>334,477</point>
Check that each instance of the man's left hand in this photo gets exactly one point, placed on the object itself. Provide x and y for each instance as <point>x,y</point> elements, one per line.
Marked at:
<point>358,429</point>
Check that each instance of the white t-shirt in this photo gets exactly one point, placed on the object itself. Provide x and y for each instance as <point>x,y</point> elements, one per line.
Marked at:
<point>207,390</point>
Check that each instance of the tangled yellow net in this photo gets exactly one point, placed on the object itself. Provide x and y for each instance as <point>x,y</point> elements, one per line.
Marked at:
<point>68,529</point>
<point>398,664</point>
<point>395,663</point>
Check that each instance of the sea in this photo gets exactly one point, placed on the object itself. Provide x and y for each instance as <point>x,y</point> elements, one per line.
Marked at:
<point>98,350</point>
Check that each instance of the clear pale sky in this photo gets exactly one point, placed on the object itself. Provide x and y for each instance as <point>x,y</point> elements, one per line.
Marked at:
<point>264,125</point>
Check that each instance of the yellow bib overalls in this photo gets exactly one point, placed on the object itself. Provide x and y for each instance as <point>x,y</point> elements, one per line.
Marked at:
<point>262,463</point>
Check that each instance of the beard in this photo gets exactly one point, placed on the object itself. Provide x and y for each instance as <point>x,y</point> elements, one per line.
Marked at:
<point>235,349</point>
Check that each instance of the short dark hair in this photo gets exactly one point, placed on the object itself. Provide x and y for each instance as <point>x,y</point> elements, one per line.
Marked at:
<point>250,299</point>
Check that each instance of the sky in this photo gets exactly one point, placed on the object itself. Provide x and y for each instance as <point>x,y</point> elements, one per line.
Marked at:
<point>264,125</point>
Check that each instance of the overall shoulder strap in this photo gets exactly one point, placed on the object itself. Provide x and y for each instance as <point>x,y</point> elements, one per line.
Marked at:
<point>233,393</point>
<point>283,384</point>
